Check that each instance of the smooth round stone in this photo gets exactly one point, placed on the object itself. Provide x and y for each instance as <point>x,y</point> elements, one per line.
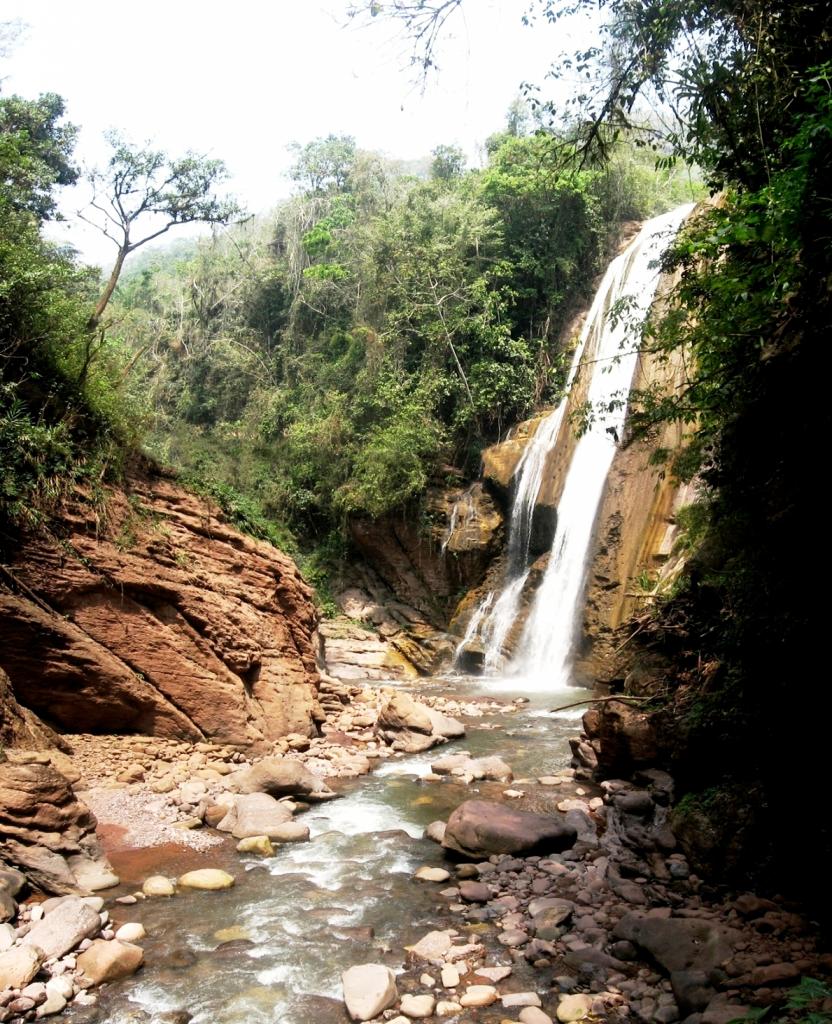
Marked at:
<point>418,1006</point>
<point>574,1007</point>
<point>208,879</point>
<point>474,892</point>
<point>261,845</point>
<point>479,995</point>
<point>158,885</point>
<point>131,932</point>
<point>429,874</point>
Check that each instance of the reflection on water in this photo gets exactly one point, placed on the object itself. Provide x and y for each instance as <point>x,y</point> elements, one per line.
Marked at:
<point>345,897</point>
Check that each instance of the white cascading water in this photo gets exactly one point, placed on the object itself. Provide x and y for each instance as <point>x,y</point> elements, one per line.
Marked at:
<point>543,657</point>
<point>611,344</point>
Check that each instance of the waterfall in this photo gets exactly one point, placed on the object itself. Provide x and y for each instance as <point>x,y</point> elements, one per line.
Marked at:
<point>611,343</point>
<point>607,350</point>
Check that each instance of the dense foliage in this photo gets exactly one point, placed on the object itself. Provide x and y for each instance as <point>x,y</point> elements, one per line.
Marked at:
<point>329,360</point>
<point>62,412</point>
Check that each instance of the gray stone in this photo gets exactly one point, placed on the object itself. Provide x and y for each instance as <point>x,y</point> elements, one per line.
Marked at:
<point>679,944</point>
<point>481,827</point>
<point>61,930</point>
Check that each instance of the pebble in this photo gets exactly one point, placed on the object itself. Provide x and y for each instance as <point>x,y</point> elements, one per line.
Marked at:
<point>575,1007</point>
<point>131,932</point>
<point>448,1008</point>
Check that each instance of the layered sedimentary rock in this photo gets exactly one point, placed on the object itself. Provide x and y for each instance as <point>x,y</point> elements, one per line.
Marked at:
<point>426,559</point>
<point>48,832</point>
<point>154,615</point>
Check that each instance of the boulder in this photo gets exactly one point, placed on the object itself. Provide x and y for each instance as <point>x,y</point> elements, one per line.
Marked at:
<point>444,725</point>
<point>109,961</point>
<point>63,928</point>
<point>19,965</point>
<point>280,776</point>
<point>400,711</point>
<point>679,944</point>
<point>46,831</point>
<point>478,828</point>
<point>209,879</point>
<point>369,989</point>
<point>255,814</point>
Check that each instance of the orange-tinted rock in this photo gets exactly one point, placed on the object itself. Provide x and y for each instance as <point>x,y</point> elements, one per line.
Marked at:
<point>47,831</point>
<point>166,621</point>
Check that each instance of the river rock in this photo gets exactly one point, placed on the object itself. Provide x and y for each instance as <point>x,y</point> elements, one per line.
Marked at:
<point>133,931</point>
<point>478,828</point>
<point>63,928</point>
<point>19,965</point>
<point>479,995</point>
<point>256,844</point>
<point>109,961</point>
<point>158,885</point>
<point>448,1008</point>
<point>435,831</point>
<point>444,725</point>
<point>280,776</point>
<point>512,999</point>
<point>369,989</point>
<point>429,874</point>
<point>679,944</point>
<point>431,947</point>
<point>401,712</point>
<point>534,1015</point>
<point>209,879</point>
<point>474,892</point>
<point>574,1007</point>
<point>255,814</point>
<point>418,1006</point>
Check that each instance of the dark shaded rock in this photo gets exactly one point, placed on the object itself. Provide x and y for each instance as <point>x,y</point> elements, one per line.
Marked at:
<point>692,990</point>
<point>679,944</point>
<point>478,828</point>
<point>474,892</point>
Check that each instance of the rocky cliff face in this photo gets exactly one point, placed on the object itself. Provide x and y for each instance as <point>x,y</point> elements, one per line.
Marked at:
<point>153,615</point>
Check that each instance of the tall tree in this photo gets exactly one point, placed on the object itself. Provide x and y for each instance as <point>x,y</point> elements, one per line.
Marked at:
<point>143,193</point>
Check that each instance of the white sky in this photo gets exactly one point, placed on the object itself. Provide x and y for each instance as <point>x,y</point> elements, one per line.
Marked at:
<point>241,80</point>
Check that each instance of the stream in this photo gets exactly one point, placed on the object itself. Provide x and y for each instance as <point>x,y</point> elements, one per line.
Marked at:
<point>294,922</point>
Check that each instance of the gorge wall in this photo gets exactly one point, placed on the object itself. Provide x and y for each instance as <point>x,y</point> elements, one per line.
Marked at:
<point>147,612</point>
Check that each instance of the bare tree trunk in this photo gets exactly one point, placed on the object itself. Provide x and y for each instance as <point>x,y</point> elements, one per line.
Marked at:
<point>107,294</point>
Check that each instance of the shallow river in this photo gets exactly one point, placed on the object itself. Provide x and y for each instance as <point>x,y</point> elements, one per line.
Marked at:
<point>298,919</point>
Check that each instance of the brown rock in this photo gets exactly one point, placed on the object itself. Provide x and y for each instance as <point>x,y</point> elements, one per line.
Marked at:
<point>478,828</point>
<point>110,960</point>
<point>190,630</point>
<point>400,711</point>
<point>46,831</point>
<point>280,776</point>
<point>19,965</point>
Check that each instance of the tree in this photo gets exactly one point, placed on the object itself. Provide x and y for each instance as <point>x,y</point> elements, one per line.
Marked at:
<point>143,193</point>
<point>448,163</point>
<point>323,165</point>
<point>35,153</point>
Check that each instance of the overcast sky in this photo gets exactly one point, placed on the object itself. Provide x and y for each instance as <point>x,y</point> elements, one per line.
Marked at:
<point>241,80</point>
